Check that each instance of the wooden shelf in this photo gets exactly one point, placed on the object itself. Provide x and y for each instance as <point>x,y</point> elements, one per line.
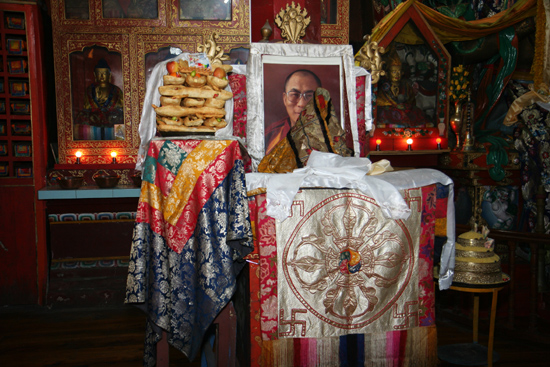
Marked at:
<point>94,166</point>
<point>6,77</point>
<point>23,221</point>
<point>408,152</point>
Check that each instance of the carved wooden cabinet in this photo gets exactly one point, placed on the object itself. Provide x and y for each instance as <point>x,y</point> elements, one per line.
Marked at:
<point>131,37</point>
<point>23,148</point>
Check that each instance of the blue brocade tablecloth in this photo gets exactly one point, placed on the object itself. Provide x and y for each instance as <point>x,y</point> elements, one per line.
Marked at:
<point>191,234</point>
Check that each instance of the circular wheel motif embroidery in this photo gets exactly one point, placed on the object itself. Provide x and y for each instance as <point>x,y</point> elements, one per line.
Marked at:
<point>343,269</point>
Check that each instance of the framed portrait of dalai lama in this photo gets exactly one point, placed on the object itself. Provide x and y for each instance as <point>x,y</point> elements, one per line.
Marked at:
<point>282,78</point>
<point>289,84</point>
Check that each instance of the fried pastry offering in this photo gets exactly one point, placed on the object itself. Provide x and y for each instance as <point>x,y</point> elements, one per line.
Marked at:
<point>193,98</point>
<point>195,81</point>
<point>193,71</point>
<point>192,121</point>
<point>173,80</point>
<point>214,102</point>
<point>181,91</point>
<point>217,83</point>
<point>183,64</point>
<point>193,102</point>
<point>179,111</point>
<point>173,121</point>
<point>215,122</point>
<point>170,101</point>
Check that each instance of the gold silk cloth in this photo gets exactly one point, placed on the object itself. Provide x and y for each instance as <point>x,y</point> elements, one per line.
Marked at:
<point>346,269</point>
<point>450,29</point>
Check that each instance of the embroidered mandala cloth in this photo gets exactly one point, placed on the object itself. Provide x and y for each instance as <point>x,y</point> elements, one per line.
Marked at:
<point>340,284</point>
<point>344,268</point>
<point>191,233</point>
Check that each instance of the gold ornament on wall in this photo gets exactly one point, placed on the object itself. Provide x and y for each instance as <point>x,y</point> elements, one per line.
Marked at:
<point>293,23</point>
<point>212,50</point>
<point>266,31</point>
<point>369,57</point>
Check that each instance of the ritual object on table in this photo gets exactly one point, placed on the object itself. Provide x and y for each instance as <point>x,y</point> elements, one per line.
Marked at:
<point>475,259</point>
<point>193,98</point>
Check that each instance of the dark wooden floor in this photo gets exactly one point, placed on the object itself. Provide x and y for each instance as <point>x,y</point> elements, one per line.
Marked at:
<point>113,336</point>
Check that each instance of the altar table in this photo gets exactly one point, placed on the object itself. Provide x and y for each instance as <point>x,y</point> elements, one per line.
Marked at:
<point>338,284</point>
<point>191,234</point>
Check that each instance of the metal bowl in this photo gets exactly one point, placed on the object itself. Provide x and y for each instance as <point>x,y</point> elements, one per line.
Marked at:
<point>136,179</point>
<point>106,181</point>
<point>70,182</point>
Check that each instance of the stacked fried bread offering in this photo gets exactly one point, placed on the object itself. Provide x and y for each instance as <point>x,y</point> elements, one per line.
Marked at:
<point>193,98</point>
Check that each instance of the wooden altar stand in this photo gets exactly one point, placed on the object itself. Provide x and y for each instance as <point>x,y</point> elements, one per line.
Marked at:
<point>223,351</point>
<point>474,354</point>
<point>281,336</point>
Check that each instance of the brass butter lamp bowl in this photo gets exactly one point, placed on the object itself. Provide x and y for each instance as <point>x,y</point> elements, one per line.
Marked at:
<point>136,178</point>
<point>106,180</point>
<point>70,182</point>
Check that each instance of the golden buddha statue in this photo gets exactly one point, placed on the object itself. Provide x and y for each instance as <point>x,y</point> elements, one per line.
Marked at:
<point>395,100</point>
<point>103,107</point>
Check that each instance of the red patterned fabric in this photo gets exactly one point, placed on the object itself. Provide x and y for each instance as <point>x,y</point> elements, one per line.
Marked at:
<point>360,97</point>
<point>186,174</point>
<point>425,257</point>
<point>238,87</point>
<point>268,272</point>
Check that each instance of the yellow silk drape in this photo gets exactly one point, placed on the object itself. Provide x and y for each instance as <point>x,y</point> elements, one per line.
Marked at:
<point>450,29</point>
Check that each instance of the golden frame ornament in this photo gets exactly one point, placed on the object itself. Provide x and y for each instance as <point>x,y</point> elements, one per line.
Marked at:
<point>293,22</point>
<point>94,151</point>
<point>338,33</point>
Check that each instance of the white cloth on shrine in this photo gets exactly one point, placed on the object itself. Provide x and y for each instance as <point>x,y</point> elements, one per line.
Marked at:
<point>333,171</point>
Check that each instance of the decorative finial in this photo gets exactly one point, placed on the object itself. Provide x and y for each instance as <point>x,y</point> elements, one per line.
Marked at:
<point>266,31</point>
<point>293,23</point>
<point>212,50</point>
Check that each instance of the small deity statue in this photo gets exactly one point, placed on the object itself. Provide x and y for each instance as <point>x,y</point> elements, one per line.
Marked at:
<point>103,103</point>
<point>396,101</point>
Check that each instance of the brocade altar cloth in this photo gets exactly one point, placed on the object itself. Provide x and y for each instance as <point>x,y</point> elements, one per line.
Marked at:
<point>340,284</point>
<point>191,233</point>
<point>343,268</point>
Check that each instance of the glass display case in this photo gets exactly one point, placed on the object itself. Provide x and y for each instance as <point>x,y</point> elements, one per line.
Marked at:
<point>410,100</point>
